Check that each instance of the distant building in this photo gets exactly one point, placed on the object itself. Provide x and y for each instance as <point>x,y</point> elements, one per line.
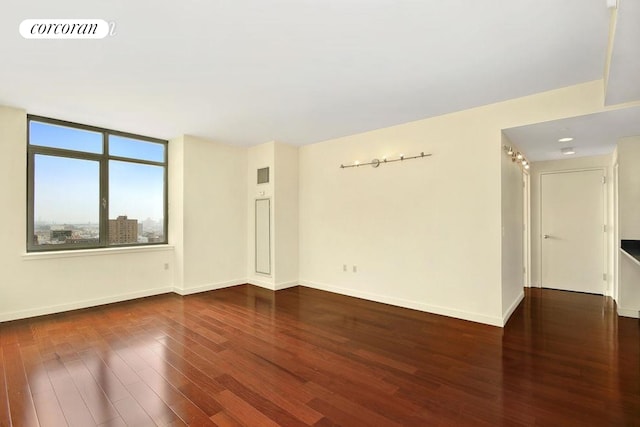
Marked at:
<point>82,241</point>
<point>155,239</point>
<point>123,230</point>
<point>60,236</point>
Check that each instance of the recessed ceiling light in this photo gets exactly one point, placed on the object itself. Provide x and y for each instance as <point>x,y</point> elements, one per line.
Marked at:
<point>568,150</point>
<point>567,139</point>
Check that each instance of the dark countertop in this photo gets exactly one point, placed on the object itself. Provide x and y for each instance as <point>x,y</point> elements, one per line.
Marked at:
<point>632,247</point>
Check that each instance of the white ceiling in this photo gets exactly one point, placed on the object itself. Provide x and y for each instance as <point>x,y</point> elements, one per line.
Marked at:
<point>296,71</point>
<point>594,134</point>
<point>624,75</point>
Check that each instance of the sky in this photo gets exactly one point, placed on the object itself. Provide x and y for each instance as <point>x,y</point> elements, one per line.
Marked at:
<point>67,190</point>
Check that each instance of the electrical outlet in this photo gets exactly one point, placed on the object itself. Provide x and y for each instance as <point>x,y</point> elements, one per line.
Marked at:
<point>166,265</point>
<point>355,268</point>
<point>344,267</point>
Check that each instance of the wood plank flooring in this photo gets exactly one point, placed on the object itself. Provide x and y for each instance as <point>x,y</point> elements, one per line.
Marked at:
<point>303,357</point>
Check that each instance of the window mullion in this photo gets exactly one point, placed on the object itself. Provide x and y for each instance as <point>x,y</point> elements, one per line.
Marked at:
<point>31,226</point>
<point>104,192</point>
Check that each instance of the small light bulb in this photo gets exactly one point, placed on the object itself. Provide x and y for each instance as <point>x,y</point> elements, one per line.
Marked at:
<point>519,156</point>
<point>526,166</point>
<point>524,163</point>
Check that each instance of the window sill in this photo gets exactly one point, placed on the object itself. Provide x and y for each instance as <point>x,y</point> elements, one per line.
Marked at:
<point>96,252</point>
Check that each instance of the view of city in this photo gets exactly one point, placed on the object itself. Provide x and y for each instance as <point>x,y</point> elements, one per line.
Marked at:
<point>77,172</point>
<point>122,230</point>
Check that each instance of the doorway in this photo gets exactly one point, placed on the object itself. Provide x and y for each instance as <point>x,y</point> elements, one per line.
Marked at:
<point>573,232</point>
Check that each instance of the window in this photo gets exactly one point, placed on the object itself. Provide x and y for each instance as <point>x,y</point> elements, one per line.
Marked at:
<point>94,188</point>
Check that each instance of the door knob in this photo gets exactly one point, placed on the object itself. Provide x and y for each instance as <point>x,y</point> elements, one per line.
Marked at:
<point>545,236</point>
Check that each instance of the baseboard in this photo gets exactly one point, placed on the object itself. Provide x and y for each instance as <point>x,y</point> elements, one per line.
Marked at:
<point>399,302</point>
<point>507,314</point>
<point>59,308</point>
<point>285,285</point>
<point>271,286</point>
<point>628,312</point>
<point>474,317</point>
<point>209,287</point>
<point>261,283</point>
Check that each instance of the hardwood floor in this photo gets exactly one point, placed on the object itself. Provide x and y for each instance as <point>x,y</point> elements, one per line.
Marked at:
<point>300,357</point>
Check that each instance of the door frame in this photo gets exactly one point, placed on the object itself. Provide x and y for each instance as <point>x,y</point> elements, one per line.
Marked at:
<point>615,268</point>
<point>605,260</point>
<point>526,226</point>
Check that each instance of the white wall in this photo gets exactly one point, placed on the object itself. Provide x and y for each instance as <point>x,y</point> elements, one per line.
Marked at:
<point>46,283</point>
<point>512,232</point>
<point>214,216</point>
<point>259,156</point>
<point>629,187</point>
<point>176,207</point>
<point>286,215</point>
<point>426,233</point>
<point>207,235</point>
<point>282,189</point>
<point>629,294</point>
<point>629,223</point>
<point>537,169</point>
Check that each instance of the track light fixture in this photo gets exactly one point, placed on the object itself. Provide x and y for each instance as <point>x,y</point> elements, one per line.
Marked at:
<point>517,157</point>
<point>377,162</point>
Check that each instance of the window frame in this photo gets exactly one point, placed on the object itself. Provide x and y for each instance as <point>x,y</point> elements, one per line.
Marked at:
<point>103,161</point>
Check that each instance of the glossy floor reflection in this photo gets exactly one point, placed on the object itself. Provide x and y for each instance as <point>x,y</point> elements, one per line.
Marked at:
<point>300,357</point>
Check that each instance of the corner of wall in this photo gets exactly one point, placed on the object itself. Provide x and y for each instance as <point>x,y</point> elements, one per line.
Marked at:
<point>176,207</point>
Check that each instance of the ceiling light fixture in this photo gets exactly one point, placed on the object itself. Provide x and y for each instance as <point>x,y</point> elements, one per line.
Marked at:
<point>566,139</point>
<point>568,150</point>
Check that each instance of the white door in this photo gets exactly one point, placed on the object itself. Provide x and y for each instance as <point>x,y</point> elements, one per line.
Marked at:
<point>573,234</point>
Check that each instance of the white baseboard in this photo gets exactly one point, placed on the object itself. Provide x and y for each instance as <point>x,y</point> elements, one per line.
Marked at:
<point>285,285</point>
<point>261,283</point>
<point>271,286</point>
<point>464,315</point>
<point>208,287</point>
<point>629,312</point>
<point>59,308</point>
<point>507,314</point>
<point>474,317</point>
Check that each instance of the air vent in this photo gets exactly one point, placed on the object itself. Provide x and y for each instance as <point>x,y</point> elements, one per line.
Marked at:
<point>263,175</point>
